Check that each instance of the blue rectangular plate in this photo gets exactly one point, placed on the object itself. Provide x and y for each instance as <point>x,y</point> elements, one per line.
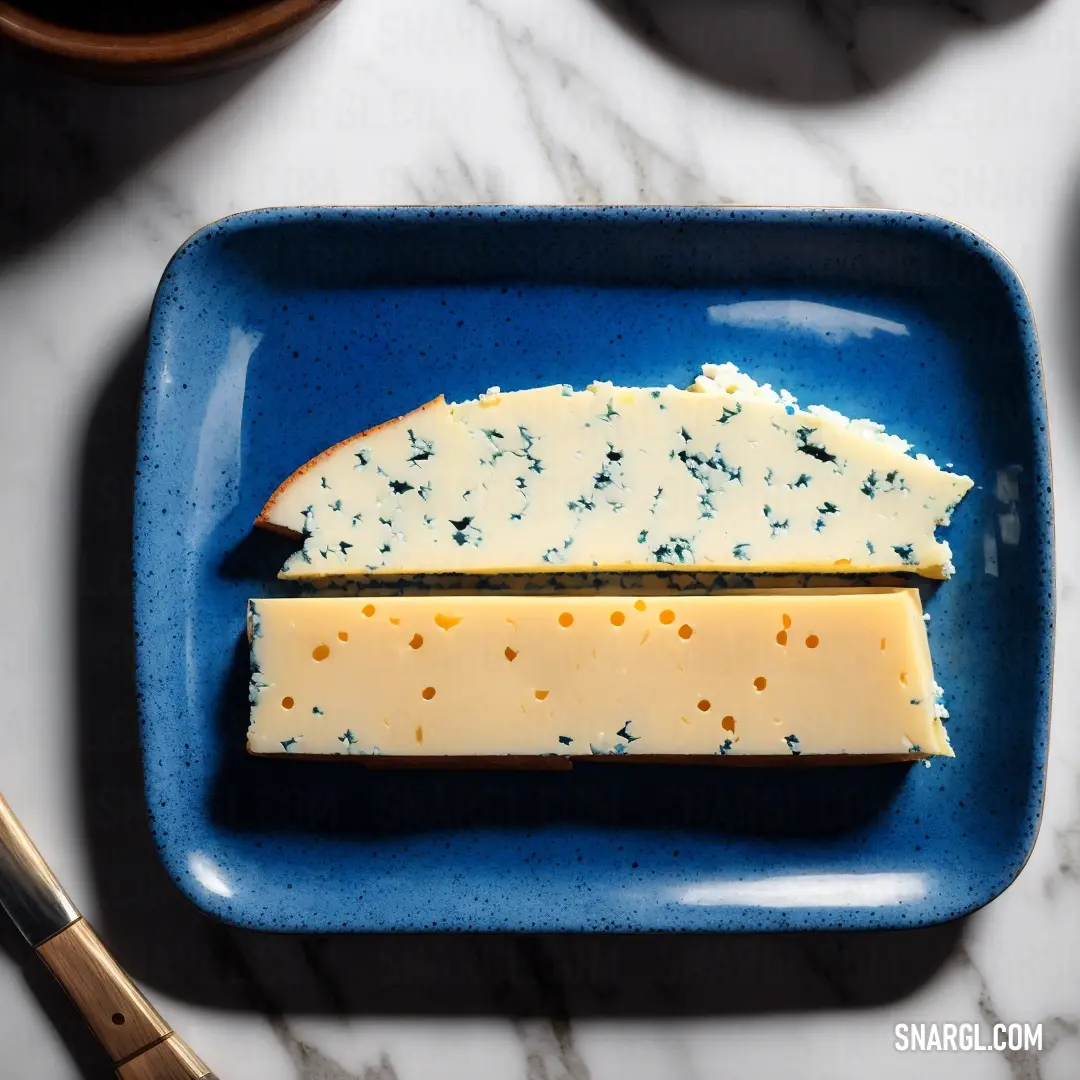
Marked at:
<point>276,333</point>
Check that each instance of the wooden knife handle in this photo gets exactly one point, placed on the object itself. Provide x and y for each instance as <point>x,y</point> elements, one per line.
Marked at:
<point>171,1059</point>
<point>141,1045</point>
<point>130,1029</point>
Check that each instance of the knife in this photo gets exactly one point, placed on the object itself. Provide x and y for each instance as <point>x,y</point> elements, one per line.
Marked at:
<point>139,1042</point>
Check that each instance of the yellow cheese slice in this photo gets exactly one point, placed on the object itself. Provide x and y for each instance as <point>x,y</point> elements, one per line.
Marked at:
<point>801,672</point>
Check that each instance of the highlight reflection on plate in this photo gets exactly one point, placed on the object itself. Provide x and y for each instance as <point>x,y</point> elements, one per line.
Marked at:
<point>810,891</point>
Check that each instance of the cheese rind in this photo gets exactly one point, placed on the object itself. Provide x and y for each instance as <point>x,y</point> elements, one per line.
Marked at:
<point>728,475</point>
<point>789,673</point>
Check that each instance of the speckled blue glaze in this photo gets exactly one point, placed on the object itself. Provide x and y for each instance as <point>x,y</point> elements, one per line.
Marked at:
<point>276,333</point>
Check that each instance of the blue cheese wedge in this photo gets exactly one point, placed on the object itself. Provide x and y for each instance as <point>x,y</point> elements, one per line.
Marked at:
<point>778,674</point>
<point>727,475</point>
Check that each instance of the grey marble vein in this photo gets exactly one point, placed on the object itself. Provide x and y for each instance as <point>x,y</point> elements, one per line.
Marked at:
<point>312,1064</point>
<point>313,951</point>
<point>763,48</point>
<point>838,22</point>
<point>574,181</point>
<point>549,1051</point>
<point>808,50</point>
<point>657,174</point>
<point>862,191</point>
<point>1023,1064</point>
<point>965,11</point>
<point>823,963</point>
<point>156,210</point>
<point>548,1044</point>
<point>456,182</point>
<point>167,200</point>
<point>1067,851</point>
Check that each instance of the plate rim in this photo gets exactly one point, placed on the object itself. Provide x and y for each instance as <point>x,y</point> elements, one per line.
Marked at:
<point>801,919</point>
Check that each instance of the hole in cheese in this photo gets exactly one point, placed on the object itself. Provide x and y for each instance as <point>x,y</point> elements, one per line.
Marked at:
<point>566,619</point>
<point>446,621</point>
<point>781,638</point>
<point>368,610</point>
<point>394,622</point>
<point>812,641</point>
<point>541,695</point>
<point>509,653</point>
<point>617,618</point>
<point>728,724</point>
<point>903,678</point>
<point>639,605</point>
<point>416,641</point>
<point>686,631</point>
<point>786,620</point>
<point>287,703</point>
<point>343,635</point>
<point>759,683</point>
<point>882,644</point>
<point>704,704</point>
<point>320,652</point>
<point>427,693</point>
<point>667,616</point>
<point>419,735</point>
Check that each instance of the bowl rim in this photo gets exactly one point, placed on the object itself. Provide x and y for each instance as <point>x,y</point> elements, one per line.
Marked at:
<point>169,46</point>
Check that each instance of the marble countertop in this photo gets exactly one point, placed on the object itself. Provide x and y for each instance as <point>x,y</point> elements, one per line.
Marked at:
<point>969,110</point>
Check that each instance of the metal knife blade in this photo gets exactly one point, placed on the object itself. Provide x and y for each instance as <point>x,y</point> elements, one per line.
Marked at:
<point>29,891</point>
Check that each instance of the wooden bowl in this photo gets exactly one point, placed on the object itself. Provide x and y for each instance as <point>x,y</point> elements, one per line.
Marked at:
<point>149,41</point>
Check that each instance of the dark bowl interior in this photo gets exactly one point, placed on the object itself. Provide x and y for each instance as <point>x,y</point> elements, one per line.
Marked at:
<point>129,17</point>
<point>169,38</point>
